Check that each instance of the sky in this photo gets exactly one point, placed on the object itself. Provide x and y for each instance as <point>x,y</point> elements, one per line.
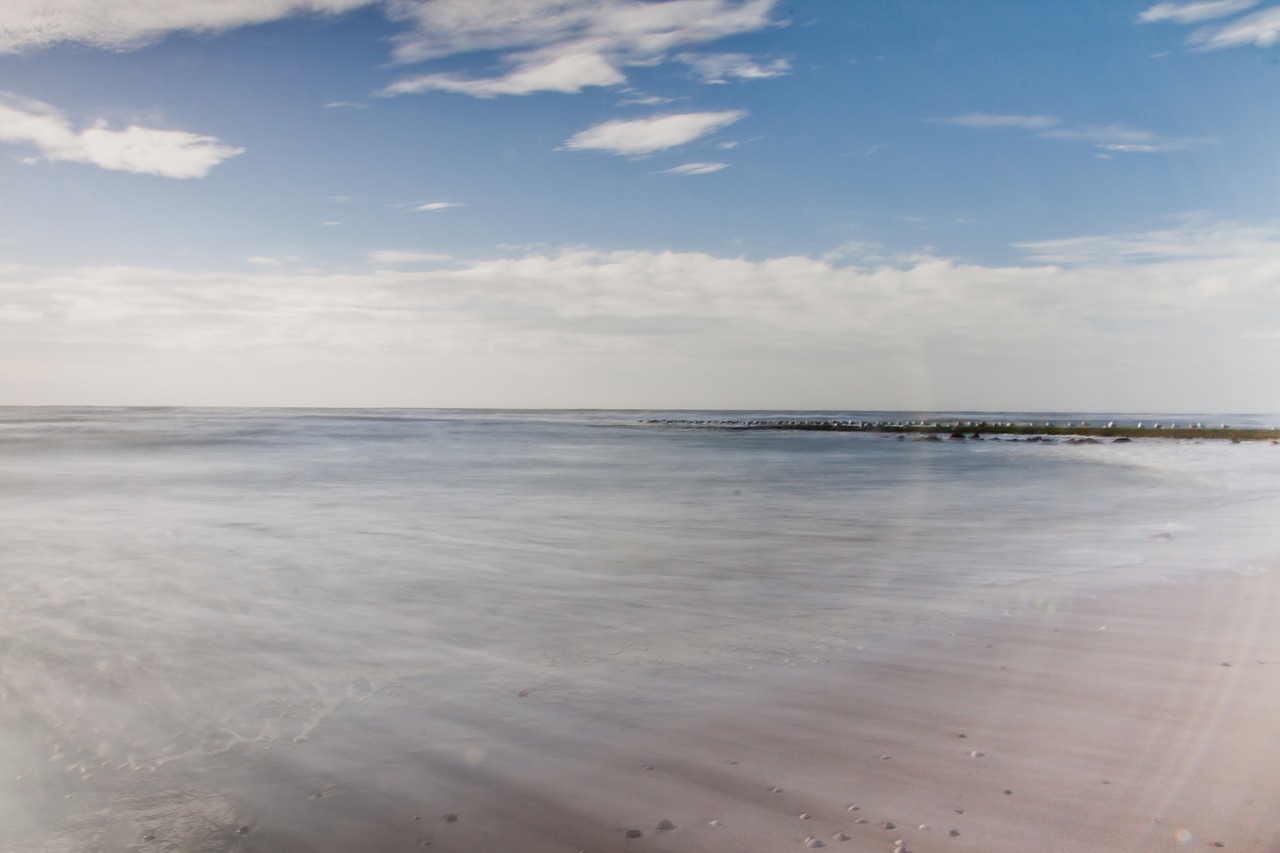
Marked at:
<point>1071,205</point>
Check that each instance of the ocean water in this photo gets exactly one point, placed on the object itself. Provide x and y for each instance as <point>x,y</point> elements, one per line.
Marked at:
<point>195,604</point>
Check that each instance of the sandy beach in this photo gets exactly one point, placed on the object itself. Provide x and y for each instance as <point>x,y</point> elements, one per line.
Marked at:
<point>1142,719</point>
<point>809,642</point>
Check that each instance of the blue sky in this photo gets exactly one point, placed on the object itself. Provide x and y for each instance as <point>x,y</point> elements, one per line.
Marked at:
<point>621,203</point>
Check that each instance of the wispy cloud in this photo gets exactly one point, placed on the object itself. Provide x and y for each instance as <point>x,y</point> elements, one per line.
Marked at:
<point>636,99</point>
<point>1122,138</point>
<point>1114,138</point>
<point>695,168</point>
<point>35,24</point>
<point>143,150</point>
<point>633,137</point>
<point>723,67</point>
<point>1195,239</point>
<point>1020,122</point>
<point>1261,29</point>
<point>1193,12</point>
<point>561,45</point>
<point>541,45</point>
<point>394,257</point>
<point>432,206</point>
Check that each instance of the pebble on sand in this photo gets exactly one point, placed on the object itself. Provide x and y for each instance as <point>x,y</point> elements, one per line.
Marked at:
<point>805,815</point>
<point>244,830</point>
<point>665,825</point>
<point>839,836</point>
<point>854,808</point>
<point>888,824</point>
<point>633,833</point>
<point>955,833</point>
<point>450,818</point>
<point>976,754</point>
<point>775,790</point>
<point>714,823</point>
<point>813,842</point>
<point>861,820</point>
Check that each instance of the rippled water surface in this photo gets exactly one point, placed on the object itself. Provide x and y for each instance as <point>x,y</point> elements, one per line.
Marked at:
<point>183,589</point>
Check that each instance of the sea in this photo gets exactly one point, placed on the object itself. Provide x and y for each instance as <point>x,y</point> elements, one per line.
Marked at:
<point>209,618</point>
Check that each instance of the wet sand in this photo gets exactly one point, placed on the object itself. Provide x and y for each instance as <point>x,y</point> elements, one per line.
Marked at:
<point>1142,719</point>
<point>1134,719</point>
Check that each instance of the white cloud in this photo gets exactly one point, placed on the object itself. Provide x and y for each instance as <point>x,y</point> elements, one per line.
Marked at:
<point>1020,122</point>
<point>143,150</point>
<point>569,73</point>
<point>435,205</point>
<point>394,257</point>
<point>543,45</point>
<point>560,45</point>
<point>1261,29</point>
<point>646,135</point>
<point>34,24</point>
<point>696,168</point>
<point>1193,12</point>
<point>1091,323</point>
<point>722,67</point>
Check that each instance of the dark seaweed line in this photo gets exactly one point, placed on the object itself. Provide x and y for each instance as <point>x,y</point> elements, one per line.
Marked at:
<point>977,429</point>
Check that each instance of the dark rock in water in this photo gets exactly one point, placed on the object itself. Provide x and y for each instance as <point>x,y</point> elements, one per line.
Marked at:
<point>977,436</point>
<point>956,436</point>
<point>666,825</point>
<point>244,830</point>
<point>1121,440</point>
<point>633,833</point>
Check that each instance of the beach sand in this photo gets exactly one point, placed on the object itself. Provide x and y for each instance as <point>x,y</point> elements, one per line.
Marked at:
<point>1142,719</point>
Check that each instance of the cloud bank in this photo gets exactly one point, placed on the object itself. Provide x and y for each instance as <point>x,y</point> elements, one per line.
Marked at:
<point>143,150</point>
<point>1141,321</point>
